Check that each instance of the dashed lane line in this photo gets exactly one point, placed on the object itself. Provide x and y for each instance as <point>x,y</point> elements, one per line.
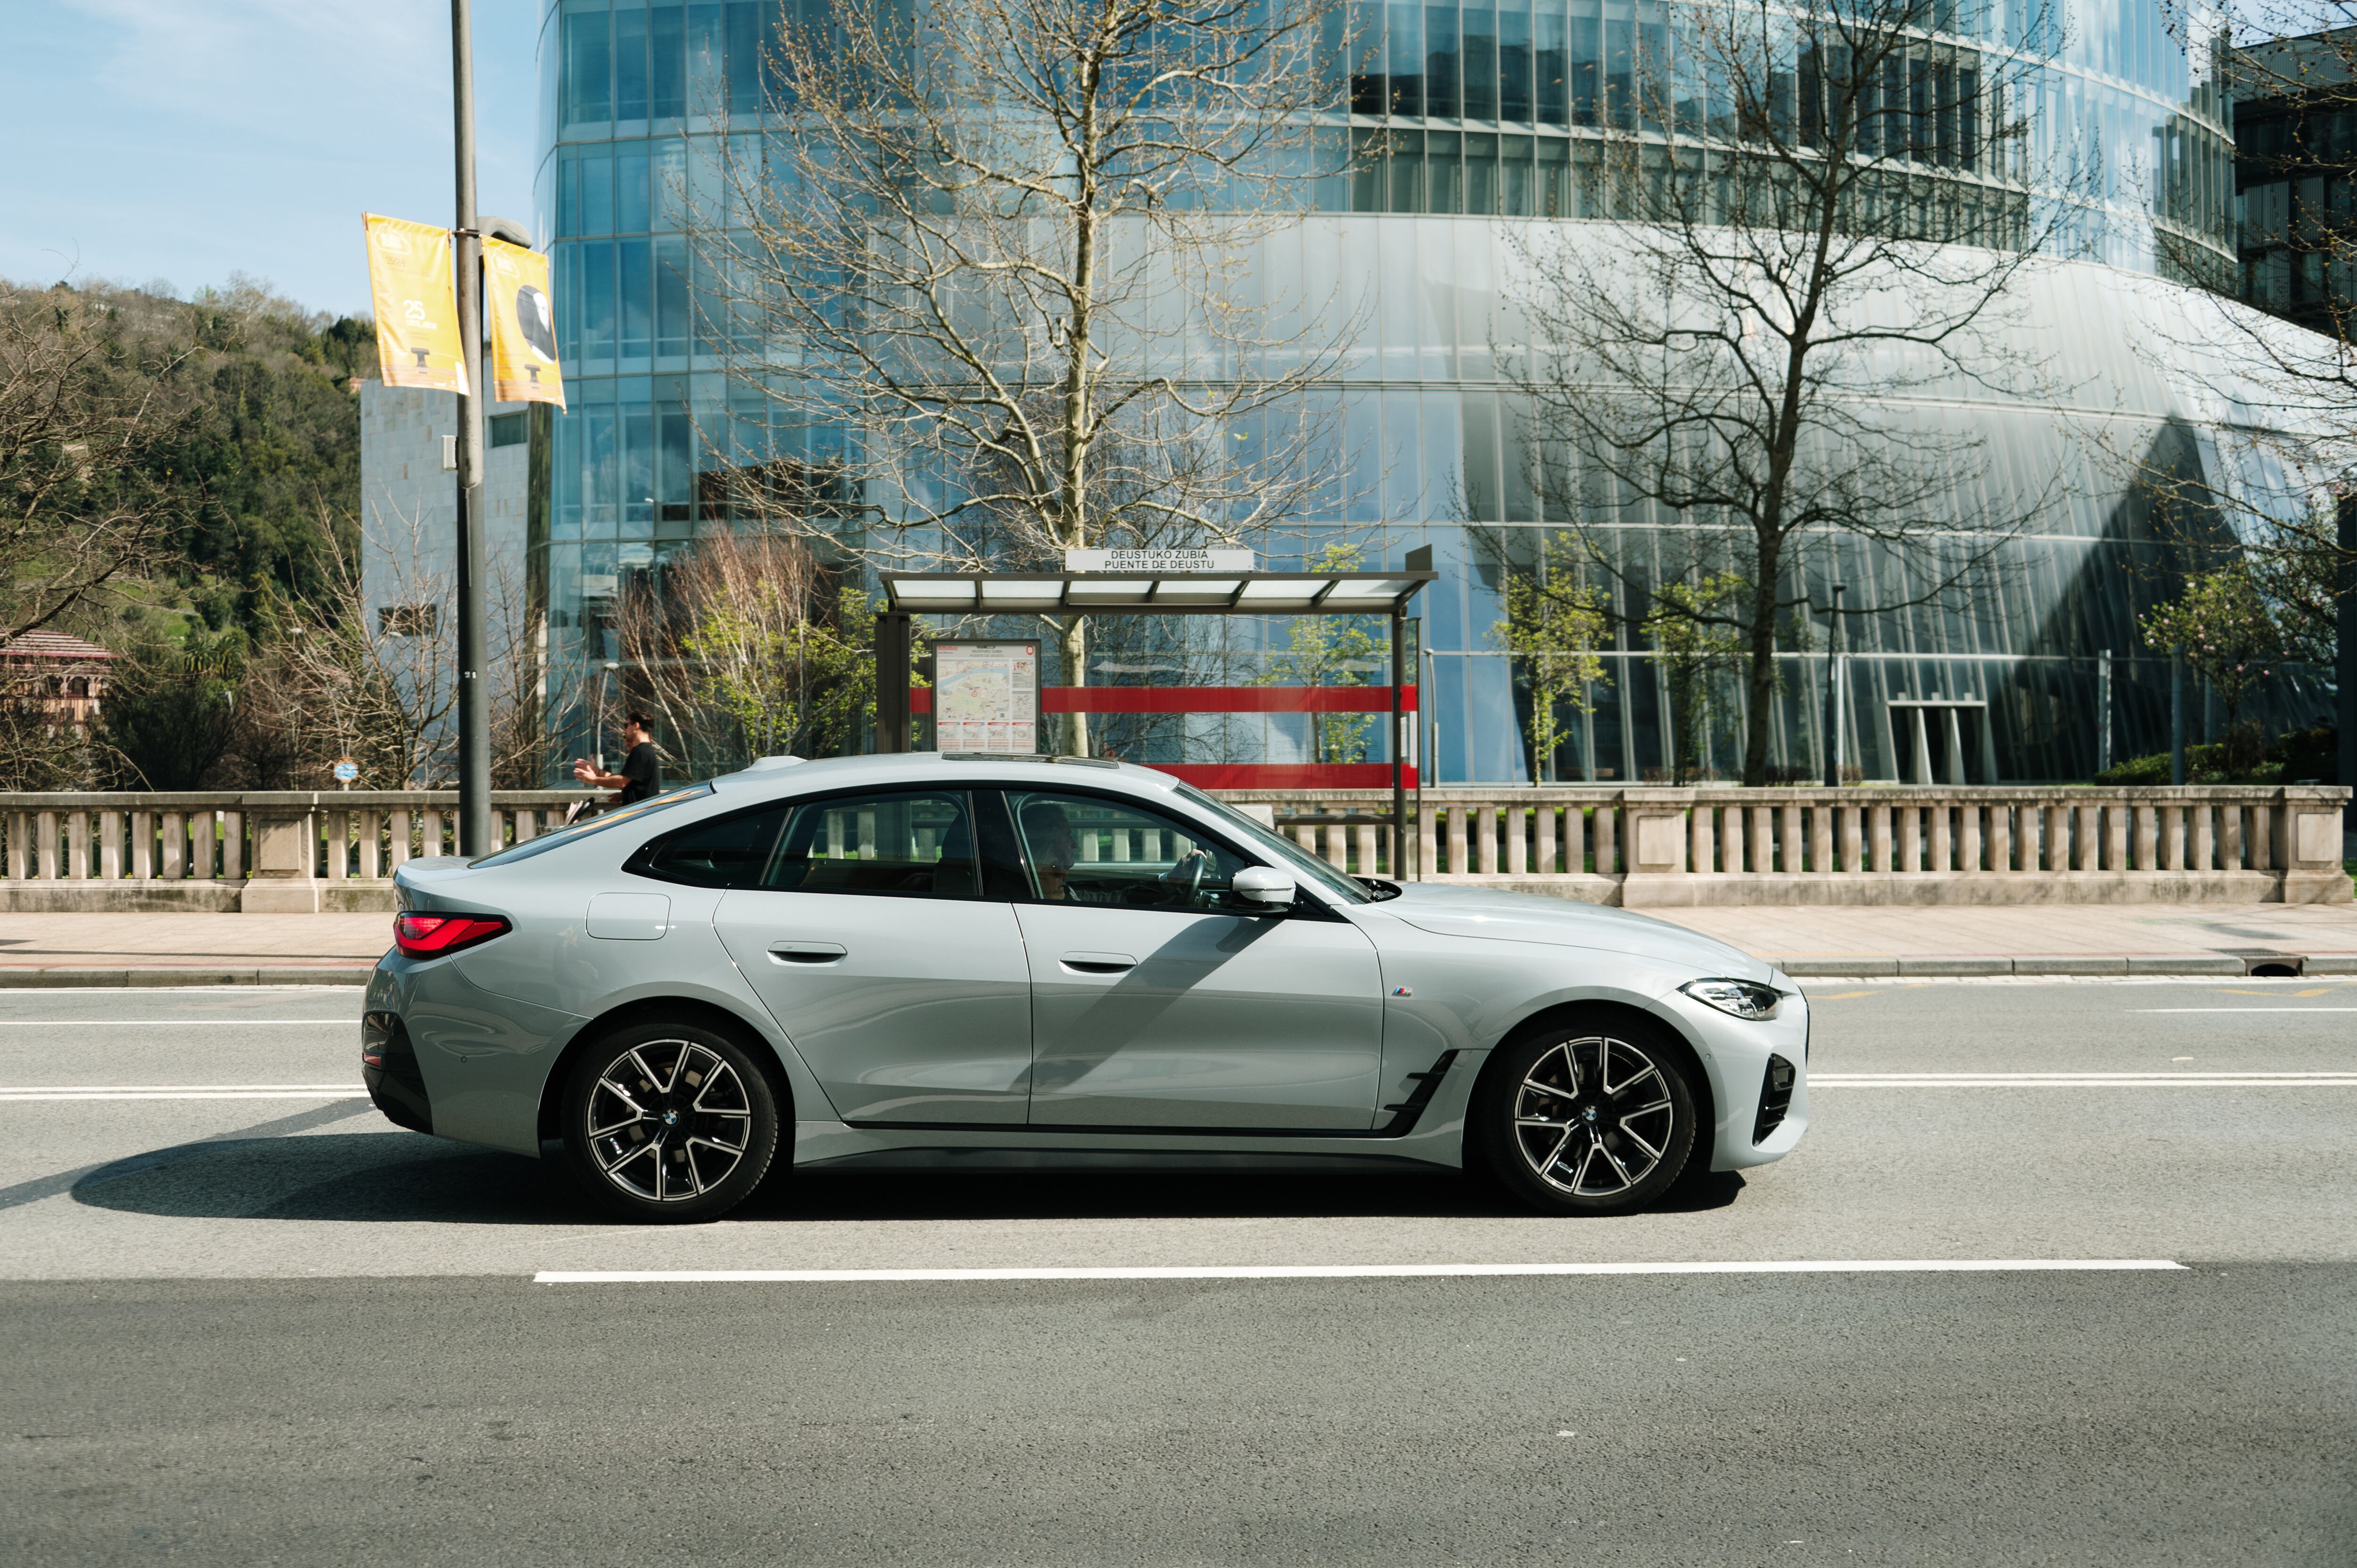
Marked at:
<point>2082,1081</point>
<point>191,1091</point>
<point>1354,1270</point>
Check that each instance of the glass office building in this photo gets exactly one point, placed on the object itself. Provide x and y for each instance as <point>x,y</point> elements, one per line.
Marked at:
<point>1467,120</point>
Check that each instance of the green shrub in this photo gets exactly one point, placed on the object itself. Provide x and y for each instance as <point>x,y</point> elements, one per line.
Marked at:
<point>2300,757</point>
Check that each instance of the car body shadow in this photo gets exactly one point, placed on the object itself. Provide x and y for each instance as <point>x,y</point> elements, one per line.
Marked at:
<point>363,1177</point>
<point>398,1176</point>
<point>1157,1195</point>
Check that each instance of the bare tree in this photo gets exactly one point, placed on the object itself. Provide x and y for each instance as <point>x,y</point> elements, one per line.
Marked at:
<point>1735,357</point>
<point>366,668</point>
<point>87,401</point>
<point>329,684</point>
<point>1005,247</point>
<point>749,649</point>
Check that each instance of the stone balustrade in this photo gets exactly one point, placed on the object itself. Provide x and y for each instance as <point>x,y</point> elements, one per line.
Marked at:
<point>278,851</point>
<point>297,852</point>
<point>2000,844</point>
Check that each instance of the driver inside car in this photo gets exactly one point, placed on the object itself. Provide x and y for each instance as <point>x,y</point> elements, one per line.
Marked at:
<point>1048,834</point>
<point>1054,847</point>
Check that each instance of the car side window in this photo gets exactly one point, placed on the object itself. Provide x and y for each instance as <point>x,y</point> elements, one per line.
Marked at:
<point>913,845</point>
<point>1085,849</point>
<point>726,852</point>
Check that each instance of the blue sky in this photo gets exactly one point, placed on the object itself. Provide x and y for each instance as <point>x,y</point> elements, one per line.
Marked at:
<point>184,140</point>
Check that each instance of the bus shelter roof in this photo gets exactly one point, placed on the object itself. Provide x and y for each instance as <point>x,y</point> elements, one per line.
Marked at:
<point>1130,593</point>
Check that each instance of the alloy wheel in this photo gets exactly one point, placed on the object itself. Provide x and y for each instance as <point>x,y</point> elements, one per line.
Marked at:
<point>1594,1116</point>
<point>669,1120</point>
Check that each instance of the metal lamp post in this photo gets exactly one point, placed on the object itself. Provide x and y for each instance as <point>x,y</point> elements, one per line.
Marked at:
<point>475,829</point>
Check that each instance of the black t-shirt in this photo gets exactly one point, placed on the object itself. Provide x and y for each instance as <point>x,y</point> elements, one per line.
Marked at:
<point>642,771</point>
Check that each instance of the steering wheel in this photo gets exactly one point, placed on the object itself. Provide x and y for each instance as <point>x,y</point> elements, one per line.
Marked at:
<point>1194,862</point>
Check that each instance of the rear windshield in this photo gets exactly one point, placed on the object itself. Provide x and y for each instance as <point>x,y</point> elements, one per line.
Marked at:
<point>613,817</point>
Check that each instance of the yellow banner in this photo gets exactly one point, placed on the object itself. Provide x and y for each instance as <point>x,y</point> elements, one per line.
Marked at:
<point>410,273</point>
<point>524,326</point>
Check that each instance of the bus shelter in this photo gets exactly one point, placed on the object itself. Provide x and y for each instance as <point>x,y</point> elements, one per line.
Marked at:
<point>1384,593</point>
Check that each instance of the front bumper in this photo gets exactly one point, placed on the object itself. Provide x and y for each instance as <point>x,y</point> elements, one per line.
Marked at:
<point>1740,1056</point>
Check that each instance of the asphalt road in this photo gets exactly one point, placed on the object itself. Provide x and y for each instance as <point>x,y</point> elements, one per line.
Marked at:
<point>274,1328</point>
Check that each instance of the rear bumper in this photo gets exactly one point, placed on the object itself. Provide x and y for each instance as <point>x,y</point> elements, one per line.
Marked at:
<point>389,1070</point>
<point>478,1063</point>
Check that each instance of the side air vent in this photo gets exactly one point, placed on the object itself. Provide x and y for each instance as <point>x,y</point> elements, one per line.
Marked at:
<point>1775,1099</point>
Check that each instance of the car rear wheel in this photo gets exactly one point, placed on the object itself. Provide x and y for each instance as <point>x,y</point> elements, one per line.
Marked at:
<point>667,1122</point>
<point>1588,1119</point>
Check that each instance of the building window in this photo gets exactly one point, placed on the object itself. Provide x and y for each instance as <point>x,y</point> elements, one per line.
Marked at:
<point>510,429</point>
<point>409,620</point>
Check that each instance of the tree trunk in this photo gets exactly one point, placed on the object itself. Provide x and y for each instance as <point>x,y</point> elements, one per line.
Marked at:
<point>1762,696</point>
<point>1073,640</point>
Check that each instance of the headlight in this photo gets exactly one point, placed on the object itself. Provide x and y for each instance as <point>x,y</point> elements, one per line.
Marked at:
<point>1743,998</point>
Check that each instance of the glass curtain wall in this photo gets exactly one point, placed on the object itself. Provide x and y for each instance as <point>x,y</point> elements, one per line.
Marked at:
<point>1465,117</point>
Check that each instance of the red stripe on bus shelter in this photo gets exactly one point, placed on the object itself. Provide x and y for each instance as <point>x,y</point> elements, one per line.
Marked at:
<point>1205,700</point>
<point>1285,775</point>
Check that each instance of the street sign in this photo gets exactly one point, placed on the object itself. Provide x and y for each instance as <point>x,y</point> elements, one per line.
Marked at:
<point>346,770</point>
<point>1158,562</point>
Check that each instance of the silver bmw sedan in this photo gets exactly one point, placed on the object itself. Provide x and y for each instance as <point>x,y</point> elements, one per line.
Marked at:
<point>944,962</point>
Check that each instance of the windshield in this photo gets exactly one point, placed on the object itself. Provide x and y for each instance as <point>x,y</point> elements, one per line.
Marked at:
<point>1288,852</point>
<point>612,818</point>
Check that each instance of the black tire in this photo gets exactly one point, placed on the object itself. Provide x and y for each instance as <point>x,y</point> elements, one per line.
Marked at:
<point>1568,1140</point>
<point>669,1123</point>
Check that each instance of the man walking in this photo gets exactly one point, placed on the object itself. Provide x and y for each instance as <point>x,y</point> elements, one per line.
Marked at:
<point>641,774</point>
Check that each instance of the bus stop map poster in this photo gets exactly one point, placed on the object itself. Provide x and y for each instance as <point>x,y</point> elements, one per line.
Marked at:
<point>986,696</point>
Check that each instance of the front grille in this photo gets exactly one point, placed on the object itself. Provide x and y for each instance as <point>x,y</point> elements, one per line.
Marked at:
<point>1775,1098</point>
<point>389,1068</point>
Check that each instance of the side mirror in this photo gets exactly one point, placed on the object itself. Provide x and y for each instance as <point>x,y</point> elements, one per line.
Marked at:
<point>1262,884</point>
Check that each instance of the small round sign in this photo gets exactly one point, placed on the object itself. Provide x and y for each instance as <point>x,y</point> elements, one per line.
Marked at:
<point>347,770</point>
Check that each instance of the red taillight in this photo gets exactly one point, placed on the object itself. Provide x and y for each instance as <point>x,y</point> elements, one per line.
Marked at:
<point>431,936</point>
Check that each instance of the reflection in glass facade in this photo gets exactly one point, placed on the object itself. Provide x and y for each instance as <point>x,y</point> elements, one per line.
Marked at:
<point>1463,119</point>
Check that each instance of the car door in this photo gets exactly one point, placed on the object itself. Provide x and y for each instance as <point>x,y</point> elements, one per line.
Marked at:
<point>1156,1001</point>
<point>860,921</point>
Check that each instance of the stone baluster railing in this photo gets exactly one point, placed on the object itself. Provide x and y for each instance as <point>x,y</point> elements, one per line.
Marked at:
<point>2026,843</point>
<point>270,852</point>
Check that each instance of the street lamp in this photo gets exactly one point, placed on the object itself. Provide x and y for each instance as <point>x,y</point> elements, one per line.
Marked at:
<point>476,826</point>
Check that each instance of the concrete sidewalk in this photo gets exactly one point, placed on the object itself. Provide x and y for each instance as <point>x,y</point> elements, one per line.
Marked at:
<point>190,949</point>
<point>2068,939</point>
<point>2128,939</point>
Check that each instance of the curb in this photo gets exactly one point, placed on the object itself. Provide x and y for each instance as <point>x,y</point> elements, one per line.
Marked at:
<point>2192,965</point>
<point>2195,965</point>
<point>17,977</point>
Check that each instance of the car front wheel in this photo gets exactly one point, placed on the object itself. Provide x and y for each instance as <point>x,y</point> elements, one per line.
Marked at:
<point>669,1123</point>
<point>1587,1119</point>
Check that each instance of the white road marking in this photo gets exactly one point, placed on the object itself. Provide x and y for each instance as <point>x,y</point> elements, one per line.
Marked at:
<point>1344,1271</point>
<point>154,1023</point>
<point>2083,1081</point>
<point>184,1092</point>
<point>2278,1010</point>
<point>272,993</point>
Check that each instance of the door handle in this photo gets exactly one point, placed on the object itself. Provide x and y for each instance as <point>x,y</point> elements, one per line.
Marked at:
<point>1099,962</point>
<point>806,952</point>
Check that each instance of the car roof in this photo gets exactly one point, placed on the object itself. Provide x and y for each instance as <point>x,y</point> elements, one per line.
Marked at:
<point>912,767</point>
